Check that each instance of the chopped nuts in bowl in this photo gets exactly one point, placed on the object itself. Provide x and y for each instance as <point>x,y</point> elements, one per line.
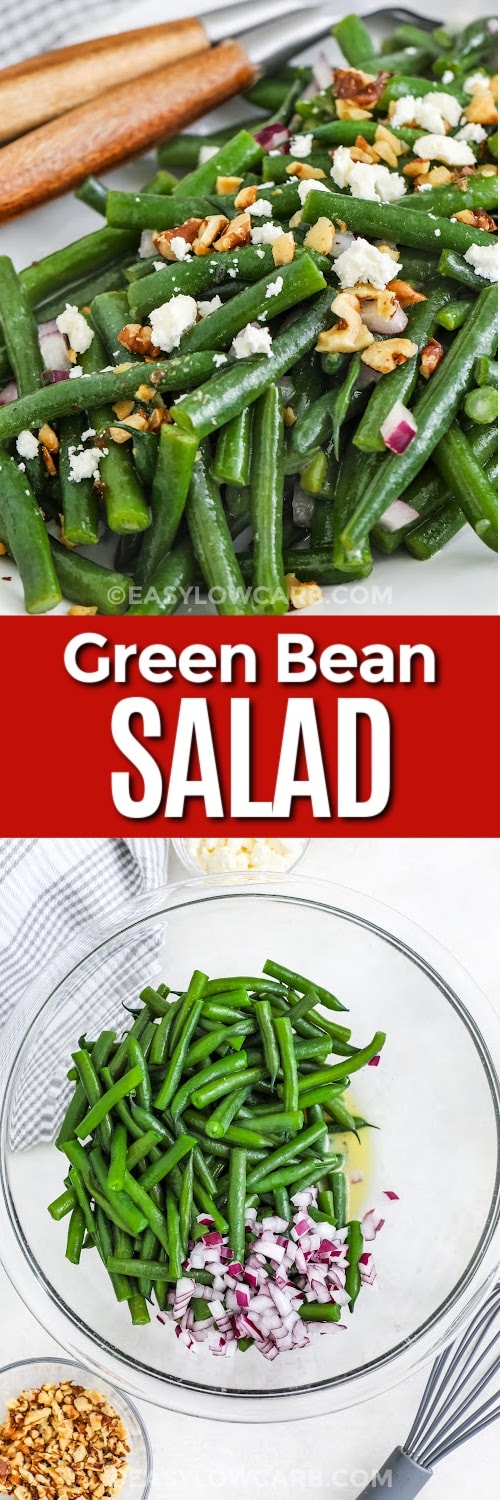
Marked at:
<point>64,1438</point>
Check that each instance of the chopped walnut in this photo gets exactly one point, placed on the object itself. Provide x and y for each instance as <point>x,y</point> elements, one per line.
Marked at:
<point>482,109</point>
<point>119,435</point>
<point>431,358</point>
<point>438,176</point>
<point>289,416</point>
<point>162,238</point>
<point>238,232</point>
<point>296,219</point>
<point>300,594</point>
<point>320,236</point>
<point>81,609</point>
<point>416,168</point>
<point>247,196</point>
<point>158,416</point>
<point>47,460</point>
<point>122,409</point>
<point>399,148</point>
<point>478,219</point>
<point>59,1443</point>
<point>283,250</point>
<point>349,334</point>
<point>369,156</point>
<point>145,393</point>
<point>389,250</point>
<point>406,294</point>
<point>385,153</point>
<point>49,438</point>
<point>138,339</point>
<point>347,110</point>
<point>304,172</point>
<point>359,88</point>
<point>209,231</point>
<point>387,354</point>
<point>227,185</point>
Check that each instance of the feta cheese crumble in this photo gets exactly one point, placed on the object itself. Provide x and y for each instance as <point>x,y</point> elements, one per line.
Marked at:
<point>220,359</point>
<point>27,444</point>
<point>264,234</point>
<point>484,259</point>
<point>252,340</point>
<point>171,320</point>
<point>205,308</point>
<point>215,856</point>
<point>433,112</point>
<point>76,371</point>
<point>275,287</point>
<point>91,432</point>
<point>447,76</point>
<point>261,208</point>
<point>84,463</point>
<point>180,247</point>
<point>474,133</point>
<point>75,326</point>
<point>301,145</point>
<point>375,183</point>
<point>445,148</point>
<point>309,185</point>
<point>476,83</point>
<point>363,262</point>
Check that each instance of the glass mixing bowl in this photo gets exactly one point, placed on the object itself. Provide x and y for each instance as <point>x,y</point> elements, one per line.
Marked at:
<point>435,1098</point>
<point>30,1374</point>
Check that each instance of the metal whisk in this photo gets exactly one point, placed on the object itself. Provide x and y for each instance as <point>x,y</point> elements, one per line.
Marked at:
<point>452,1408</point>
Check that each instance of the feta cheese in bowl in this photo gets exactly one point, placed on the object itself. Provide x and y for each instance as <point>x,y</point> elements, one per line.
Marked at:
<point>214,856</point>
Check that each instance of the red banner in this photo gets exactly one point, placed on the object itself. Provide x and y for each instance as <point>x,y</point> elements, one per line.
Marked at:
<point>311,725</point>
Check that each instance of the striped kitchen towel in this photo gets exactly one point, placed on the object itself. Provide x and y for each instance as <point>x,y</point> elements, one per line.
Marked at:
<point>49,890</point>
<point>33,26</point>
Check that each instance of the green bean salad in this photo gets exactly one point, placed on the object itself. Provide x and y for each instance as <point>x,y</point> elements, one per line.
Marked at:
<point>203,1161</point>
<point>264,371</point>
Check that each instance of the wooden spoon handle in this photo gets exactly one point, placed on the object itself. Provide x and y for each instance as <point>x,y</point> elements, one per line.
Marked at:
<point>119,125</point>
<point>49,85</point>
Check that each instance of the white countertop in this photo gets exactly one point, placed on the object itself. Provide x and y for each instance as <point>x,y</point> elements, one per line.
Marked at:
<point>451,887</point>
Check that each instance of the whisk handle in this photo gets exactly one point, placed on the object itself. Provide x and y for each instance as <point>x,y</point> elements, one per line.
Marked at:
<point>407,1478</point>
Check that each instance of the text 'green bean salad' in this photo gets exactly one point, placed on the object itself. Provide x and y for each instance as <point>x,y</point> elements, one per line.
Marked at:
<point>204,1164</point>
<point>263,370</point>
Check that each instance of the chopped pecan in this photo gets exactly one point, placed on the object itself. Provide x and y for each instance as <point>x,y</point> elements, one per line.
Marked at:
<point>416,168</point>
<point>399,148</point>
<point>362,89</point>
<point>348,110</point>
<point>247,196</point>
<point>478,219</point>
<point>227,185</point>
<point>302,170</point>
<point>122,409</point>
<point>49,438</point>
<point>482,109</point>
<point>47,460</point>
<point>138,339</point>
<point>349,334</point>
<point>238,232</point>
<point>387,354</point>
<point>406,294</point>
<point>210,230</point>
<point>81,609</point>
<point>283,250</point>
<point>431,358</point>
<point>158,416</point>
<point>300,594</point>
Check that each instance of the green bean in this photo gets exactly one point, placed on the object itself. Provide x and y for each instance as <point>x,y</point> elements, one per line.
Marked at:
<point>342,1116</point>
<point>142,1148</point>
<point>433,413</point>
<point>486,371</point>
<point>244,1135</point>
<point>63,1205</point>
<point>82,1197</point>
<point>206,1204</point>
<point>320,1312</point>
<point>470,486</point>
<point>148,1210</point>
<point>130,1266</point>
<point>354,41</point>
<point>434,532</point>
<point>397,223</point>
<point>294,1177</point>
<point>211,1042</point>
<point>428,493</point>
<point>222,1116</point>
<point>264,1016</point>
<point>284,1033</point>
<point>481,405</point>
<point>88,582</point>
<point>211,540</point>
<point>270,93</point>
<point>79,501</point>
<point>101,1110</point>
<point>93,391</point>
<point>118,1162</point>
<point>20,329</point>
<point>147,1120</point>
<point>400,383</point>
<point>345,132</point>
<point>295,981</point>
<point>94,194</point>
<point>138,1310</point>
<point>402,85</point>
<point>153,210</point>
<point>121,1285</point>
<point>173,1075</point>
<point>184,149</point>
<point>453,315</point>
<point>186,1204</point>
<point>23,531</point>
<point>283,1154</point>
<point>480,192</point>
<point>224,1067</point>
<point>325,1203</point>
<point>236,1202</point>
<point>170,585</point>
<point>266,489</point>
<point>137,1060</point>
<point>294,283</point>
<point>237,156</point>
<point>126,1214</point>
<point>276,1122</point>
<point>63,267</point>
<point>228,392</point>
<point>212,1091</point>
<point>339,1193</point>
<point>355,1246</point>
<point>126,508</point>
<point>176,455</point>
<point>322,1093</point>
<point>282,1204</point>
<point>175,1247</point>
<point>203,273</point>
<point>453,265</point>
<point>231,462</point>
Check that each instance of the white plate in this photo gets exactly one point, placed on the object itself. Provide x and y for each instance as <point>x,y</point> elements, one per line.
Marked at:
<point>463,579</point>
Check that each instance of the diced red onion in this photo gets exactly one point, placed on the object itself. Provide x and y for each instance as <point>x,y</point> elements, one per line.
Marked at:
<point>399,429</point>
<point>322,72</point>
<point>398,514</point>
<point>342,241</point>
<point>374,1061</point>
<point>370,1225</point>
<point>9,393</point>
<point>54,347</point>
<point>388,1193</point>
<point>51,377</point>
<point>377,324</point>
<point>367,376</point>
<point>273,137</point>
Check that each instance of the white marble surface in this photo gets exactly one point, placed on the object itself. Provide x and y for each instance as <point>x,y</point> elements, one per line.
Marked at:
<point>451,887</point>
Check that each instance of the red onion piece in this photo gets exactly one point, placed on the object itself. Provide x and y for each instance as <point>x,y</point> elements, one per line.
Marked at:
<point>8,394</point>
<point>374,1061</point>
<point>399,428</point>
<point>342,241</point>
<point>273,138</point>
<point>388,1193</point>
<point>54,347</point>
<point>397,515</point>
<point>373,320</point>
<point>51,377</point>
<point>322,72</point>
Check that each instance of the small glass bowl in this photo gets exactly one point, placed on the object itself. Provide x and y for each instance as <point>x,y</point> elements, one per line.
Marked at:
<point>181,850</point>
<point>30,1374</point>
